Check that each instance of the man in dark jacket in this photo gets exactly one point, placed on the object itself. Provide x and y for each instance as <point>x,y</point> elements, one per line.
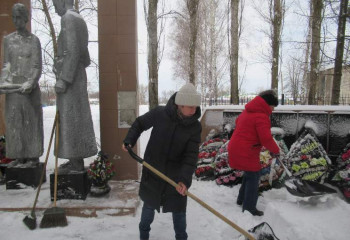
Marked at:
<point>173,150</point>
<point>252,131</point>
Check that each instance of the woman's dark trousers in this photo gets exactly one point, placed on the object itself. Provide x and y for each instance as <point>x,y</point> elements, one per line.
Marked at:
<point>249,191</point>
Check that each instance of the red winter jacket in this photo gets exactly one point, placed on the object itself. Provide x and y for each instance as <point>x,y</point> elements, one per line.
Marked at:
<point>252,131</point>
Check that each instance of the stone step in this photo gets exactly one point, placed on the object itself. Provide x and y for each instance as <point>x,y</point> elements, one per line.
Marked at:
<point>120,201</point>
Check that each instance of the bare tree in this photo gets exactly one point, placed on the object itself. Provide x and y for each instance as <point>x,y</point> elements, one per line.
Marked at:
<point>212,61</point>
<point>234,52</point>
<point>317,7</point>
<point>305,81</point>
<point>152,59</point>
<point>276,18</point>
<point>143,90</point>
<point>52,30</point>
<point>192,6</point>
<point>339,51</point>
<point>180,53</point>
<point>294,78</point>
<point>48,39</point>
<point>155,28</point>
<point>165,96</point>
<point>211,58</point>
<point>48,94</point>
<point>47,32</point>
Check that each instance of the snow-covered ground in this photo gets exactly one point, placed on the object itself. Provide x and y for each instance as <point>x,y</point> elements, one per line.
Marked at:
<point>323,218</point>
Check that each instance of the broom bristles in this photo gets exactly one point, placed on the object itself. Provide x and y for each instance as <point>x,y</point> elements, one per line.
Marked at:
<point>54,217</point>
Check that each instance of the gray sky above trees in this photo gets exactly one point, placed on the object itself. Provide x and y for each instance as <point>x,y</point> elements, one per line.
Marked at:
<point>254,45</point>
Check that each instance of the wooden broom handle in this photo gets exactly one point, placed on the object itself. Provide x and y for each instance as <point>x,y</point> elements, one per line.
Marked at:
<point>45,163</point>
<point>56,156</point>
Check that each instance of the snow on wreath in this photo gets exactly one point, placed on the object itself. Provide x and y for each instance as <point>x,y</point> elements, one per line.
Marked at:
<point>101,170</point>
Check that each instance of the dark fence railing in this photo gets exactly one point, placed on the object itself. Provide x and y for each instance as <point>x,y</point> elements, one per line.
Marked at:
<point>283,100</point>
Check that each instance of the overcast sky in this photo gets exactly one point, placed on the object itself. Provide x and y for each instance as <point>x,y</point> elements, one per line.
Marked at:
<point>253,44</point>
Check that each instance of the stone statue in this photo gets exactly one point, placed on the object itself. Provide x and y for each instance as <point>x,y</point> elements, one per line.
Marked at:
<point>76,135</point>
<point>19,81</point>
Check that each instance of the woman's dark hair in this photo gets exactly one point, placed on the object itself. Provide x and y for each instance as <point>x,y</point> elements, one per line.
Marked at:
<point>270,97</point>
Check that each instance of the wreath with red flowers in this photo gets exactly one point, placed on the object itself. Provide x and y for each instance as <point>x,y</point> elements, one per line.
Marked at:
<point>101,170</point>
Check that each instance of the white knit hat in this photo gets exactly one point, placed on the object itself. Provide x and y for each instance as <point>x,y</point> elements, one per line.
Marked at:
<point>188,96</point>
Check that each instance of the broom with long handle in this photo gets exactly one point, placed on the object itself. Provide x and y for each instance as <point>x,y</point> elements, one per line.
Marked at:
<point>55,216</point>
<point>174,184</point>
<point>30,221</point>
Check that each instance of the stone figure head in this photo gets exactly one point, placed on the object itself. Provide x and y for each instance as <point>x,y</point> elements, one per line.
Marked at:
<point>61,6</point>
<point>20,16</point>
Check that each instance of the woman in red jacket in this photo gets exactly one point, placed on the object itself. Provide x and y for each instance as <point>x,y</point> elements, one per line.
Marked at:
<point>252,131</point>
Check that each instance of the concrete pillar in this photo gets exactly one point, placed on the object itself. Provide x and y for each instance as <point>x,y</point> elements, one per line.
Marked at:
<point>117,33</point>
<point>6,27</point>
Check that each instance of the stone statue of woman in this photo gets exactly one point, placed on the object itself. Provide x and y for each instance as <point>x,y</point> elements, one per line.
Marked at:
<point>20,74</point>
<point>76,136</point>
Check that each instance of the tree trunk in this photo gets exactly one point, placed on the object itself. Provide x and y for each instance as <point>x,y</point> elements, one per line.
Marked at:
<point>192,6</point>
<point>152,54</point>
<point>76,5</point>
<point>317,6</point>
<point>234,52</point>
<point>306,79</point>
<point>52,29</point>
<point>338,65</point>
<point>212,54</point>
<point>277,24</point>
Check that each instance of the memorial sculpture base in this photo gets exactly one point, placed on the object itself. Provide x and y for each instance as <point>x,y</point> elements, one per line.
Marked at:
<point>72,185</point>
<point>17,176</point>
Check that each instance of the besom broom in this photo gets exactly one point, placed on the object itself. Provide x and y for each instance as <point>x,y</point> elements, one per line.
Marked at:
<point>30,221</point>
<point>55,216</point>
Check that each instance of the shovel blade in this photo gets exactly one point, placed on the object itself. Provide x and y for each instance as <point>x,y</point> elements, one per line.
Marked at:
<point>318,188</point>
<point>263,231</point>
<point>30,222</point>
<point>306,188</point>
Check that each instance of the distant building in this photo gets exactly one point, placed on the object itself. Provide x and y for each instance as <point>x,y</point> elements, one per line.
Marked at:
<point>325,85</point>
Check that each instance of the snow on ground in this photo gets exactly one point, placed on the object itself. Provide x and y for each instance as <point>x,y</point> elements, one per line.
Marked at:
<point>322,218</point>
